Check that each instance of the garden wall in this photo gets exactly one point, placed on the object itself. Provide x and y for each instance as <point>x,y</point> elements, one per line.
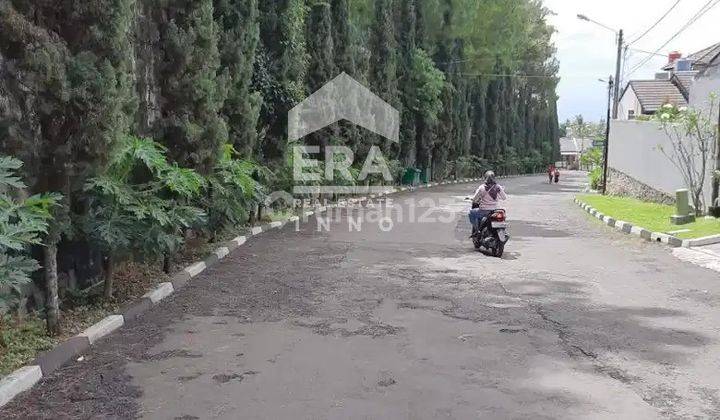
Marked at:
<point>635,152</point>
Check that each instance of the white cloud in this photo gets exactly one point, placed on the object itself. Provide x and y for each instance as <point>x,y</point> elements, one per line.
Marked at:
<point>587,51</point>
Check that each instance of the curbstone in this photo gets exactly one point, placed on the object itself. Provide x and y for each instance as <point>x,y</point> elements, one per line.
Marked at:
<point>162,291</point>
<point>256,230</point>
<point>641,232</point>
<point>51,360</point>
<point>674,242</point>
<point>707,240</point>
<point>610,221</point>
<point>211,260</point>
<point>222,252</point>
<point>195,269</point>
<point>132,311</point>
<point>180,279</point>
<point>231,245</point>
<point>658,237</point>
<point>18,381</point>
<point>103,328</point>
<point>240,240</point>
<point>627,228</point>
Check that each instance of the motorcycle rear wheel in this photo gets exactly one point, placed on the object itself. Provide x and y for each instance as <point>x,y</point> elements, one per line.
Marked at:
<point>498,250</point>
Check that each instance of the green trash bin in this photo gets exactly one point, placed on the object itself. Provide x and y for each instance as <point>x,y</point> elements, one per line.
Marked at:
<point>411,176</point>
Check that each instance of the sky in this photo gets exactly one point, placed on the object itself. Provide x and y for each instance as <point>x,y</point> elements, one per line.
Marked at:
<point>587,52</point>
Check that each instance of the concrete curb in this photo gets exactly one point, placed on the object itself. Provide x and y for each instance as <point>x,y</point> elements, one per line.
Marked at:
<point>103,328</point>
<point>707,240</point>
<point>628,228</point>
<point>47,362</point>
<point>18,381</point>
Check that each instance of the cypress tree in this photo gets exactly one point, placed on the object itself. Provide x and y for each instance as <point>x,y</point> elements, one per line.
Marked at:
<point>192,87</point>
<point>321,68</point>
<point>280,73</point>
<point>383,62</point>
<point>239,34</point>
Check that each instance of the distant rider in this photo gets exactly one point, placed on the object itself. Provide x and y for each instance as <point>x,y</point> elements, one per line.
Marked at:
<point>486,199</point>
<point>551,172</point>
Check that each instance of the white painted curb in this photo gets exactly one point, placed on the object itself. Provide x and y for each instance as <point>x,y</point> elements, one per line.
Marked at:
<point>255,230</point>
<point>162,291</point>
<point>196,268</point>
<point>239,240</point>
<point>18,381</point>
<point>103,328</point>
<point>222,252</point>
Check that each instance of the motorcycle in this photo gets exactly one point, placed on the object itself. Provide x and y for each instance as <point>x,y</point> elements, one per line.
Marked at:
<point>491,233</point>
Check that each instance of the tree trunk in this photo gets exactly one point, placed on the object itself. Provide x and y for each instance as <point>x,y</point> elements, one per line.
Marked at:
<point>109,272</point>
<point>166,263</point>
<point>51,286</point>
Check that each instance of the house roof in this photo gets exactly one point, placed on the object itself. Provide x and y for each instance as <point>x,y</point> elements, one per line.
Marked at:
<point>653,94</point>
<point>573,146</point>
<point>701,59</point>
<point>683,80</point>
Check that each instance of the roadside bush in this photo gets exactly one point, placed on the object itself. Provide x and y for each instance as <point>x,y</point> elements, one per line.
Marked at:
<point>141,205</point>
<point>22,223</point>
<point>235,189</point>
<point>596,178</point>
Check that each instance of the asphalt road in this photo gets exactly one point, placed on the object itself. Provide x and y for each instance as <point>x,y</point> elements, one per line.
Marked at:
<point>576,321</point>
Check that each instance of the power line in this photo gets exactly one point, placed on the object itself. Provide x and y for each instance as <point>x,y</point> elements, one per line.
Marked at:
<point>647,52</point>
<point>706,8</point>
<point>520,76</point>
<point>656,23</point>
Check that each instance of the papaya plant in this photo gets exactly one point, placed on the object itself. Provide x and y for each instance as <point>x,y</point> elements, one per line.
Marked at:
<point>142,205</point>
<point>235,189</point>
<point>23,222</point>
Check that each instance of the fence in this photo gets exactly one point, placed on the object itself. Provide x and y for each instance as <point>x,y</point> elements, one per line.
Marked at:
<point>635,150</point>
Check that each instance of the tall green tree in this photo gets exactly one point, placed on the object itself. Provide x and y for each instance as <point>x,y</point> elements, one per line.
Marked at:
<point>239,34</point>
<point>192,86</point>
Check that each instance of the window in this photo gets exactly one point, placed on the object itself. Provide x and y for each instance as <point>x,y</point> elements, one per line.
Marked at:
<point>631,114</point>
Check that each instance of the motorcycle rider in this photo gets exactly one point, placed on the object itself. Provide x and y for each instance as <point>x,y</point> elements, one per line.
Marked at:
<point>486,199</point>
<point>551,172</point>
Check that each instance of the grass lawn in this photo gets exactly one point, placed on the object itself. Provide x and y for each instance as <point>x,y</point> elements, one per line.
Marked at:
<point>651,216</point>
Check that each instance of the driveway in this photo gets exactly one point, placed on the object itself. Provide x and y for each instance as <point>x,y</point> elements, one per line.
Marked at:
<point>576,321</point>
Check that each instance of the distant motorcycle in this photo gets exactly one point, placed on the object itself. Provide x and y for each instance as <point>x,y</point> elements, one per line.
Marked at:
<point>557,176</point>
<point>491,233</point>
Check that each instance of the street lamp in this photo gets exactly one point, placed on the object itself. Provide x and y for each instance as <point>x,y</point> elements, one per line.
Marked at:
<point>613,85</point>
<point>618,62</point>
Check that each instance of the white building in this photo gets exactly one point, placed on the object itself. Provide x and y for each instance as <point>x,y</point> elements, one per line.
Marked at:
<point>683,81</point>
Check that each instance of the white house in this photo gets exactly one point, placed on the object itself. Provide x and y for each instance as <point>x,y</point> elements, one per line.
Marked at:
<point>645,97</point>
<point>683,81</point>
<point>707,82</point>
<point>639,150</point>
<point>572,149</point>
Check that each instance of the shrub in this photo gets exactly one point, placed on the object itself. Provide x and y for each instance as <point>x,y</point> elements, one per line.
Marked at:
<point>235,188</point>
<point>141,204</point>
<point>22,222</point>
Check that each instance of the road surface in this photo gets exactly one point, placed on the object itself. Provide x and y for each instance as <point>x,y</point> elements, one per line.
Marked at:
<point>576,321</point>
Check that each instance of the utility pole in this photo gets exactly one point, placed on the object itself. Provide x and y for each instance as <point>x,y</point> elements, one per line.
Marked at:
<point>618,65</point>
<point>607,135</point>
<point>715,204</point>
<point>616,90</point>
